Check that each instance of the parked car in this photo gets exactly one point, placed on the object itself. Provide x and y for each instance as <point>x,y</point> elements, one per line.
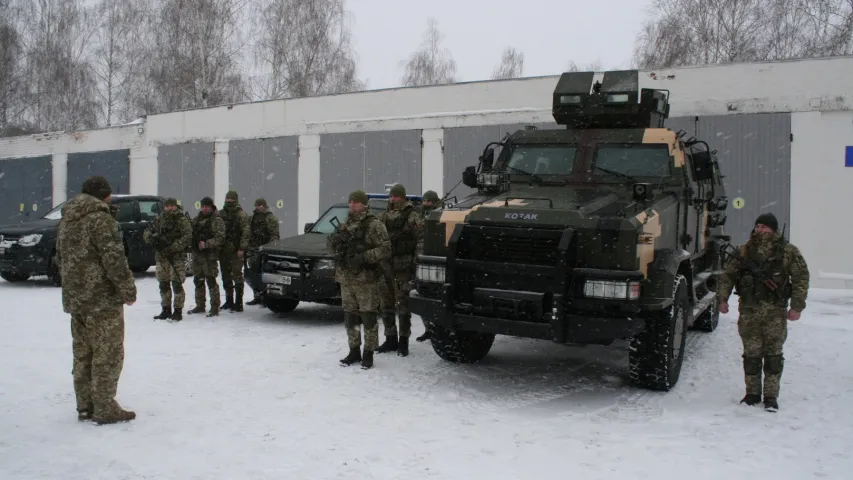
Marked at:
<point>300,268</point>
<point>28,249</point>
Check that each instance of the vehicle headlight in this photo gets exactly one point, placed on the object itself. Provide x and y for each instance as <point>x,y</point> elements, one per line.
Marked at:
<point>29,240</point>
<point>430,273</point>
<point>324,264</point>
<point>615,289</point>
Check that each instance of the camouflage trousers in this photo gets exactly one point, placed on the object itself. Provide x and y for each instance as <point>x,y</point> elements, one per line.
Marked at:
<point>97,344</point>
<point>394,301</point>
<point>253,274</point>
<point>360,301</point>
<point>205,269</point>
<point>763,331</point>
<point>171,273</point>
<point>232,269</point>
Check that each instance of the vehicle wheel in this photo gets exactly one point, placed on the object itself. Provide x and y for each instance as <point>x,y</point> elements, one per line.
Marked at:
<point>281,305</point>
<point>656,355</point>
<point>710,318</point>
<point>460,346</point>
<point>14,277</point>
<point>139,268</point>
<point>53,272</point>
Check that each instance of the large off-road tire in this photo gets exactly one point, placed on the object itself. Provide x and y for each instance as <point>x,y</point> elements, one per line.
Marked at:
<point>710,318</point>
<point>656,355</point>
<point>281,305</point>
<point>460,346</point>
<point>14,277</point>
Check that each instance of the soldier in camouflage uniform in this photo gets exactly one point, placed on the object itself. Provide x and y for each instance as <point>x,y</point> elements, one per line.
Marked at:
<point>96,284</point>
<point>360,246</point>
<point>405,226</point>
<point>171,235</point>
<point>763,305</point>
<point>208,237</point>
<point>430,202</point>
<point>231,255</point>
<point>264,229</point>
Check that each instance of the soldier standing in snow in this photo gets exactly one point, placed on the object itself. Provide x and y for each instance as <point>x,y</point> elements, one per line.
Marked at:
<point>171,235</point>
<point>96,284</point>
<point>231,254</point>
<point>208,235</point>
<point>769,272</point>
<point>264,229</point>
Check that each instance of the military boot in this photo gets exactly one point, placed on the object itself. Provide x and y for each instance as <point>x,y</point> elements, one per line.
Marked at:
<point>354,356</point>
<point>390,344</point>
<point>229,299</point>
<point>164,314</point>
<point>367,360</point>
<point>120,416</point>
<point>176,315</point>
<point>214,310</point>
<point>86,414</point>
<point>770,404</point>
<point>751,399</point>
<point>257,300</point>
<point>426,336</point>
<point>238,298</point>
<point>403,347</point>
<point>197,309</point>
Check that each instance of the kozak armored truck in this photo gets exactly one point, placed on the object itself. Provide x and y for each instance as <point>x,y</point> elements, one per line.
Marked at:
<point>610,228</point>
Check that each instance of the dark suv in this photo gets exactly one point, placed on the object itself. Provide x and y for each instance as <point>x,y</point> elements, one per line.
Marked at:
<point>28,249</point>
<point>300,268</point>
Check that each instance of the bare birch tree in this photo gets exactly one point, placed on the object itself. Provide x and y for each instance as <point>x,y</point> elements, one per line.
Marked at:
<point>11,102</point>
<point>690,32</point>
<point>61,86</point>
<point>431,64</point>
<point>194,56</point>
<point>511,66</point>
<point>116,52</point>
<point>305,48</point>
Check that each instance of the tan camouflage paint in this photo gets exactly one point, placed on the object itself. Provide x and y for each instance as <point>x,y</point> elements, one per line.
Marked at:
<point>664,135</point>
<point>646,241</point>
<point>452,217</point>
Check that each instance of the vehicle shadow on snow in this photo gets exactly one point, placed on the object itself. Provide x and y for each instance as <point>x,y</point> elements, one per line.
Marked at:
<point>305,314</point>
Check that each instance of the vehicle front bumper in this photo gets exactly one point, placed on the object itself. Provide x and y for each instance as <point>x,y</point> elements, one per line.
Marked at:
<point>318,286</point>
<point>24,260</point>
<point>564,326</point>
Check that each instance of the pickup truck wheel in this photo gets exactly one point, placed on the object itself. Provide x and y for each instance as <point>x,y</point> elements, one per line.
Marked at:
<point>710,318</point>
<point>14,277</point>
<point>656,355</point>
<point>281,305</point>
<point>460,346</point>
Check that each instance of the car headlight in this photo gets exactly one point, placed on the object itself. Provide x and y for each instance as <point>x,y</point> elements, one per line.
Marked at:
<point>430,273</point>
<point>29,240</point>
<point>612,289</point>
<point>324,264</point>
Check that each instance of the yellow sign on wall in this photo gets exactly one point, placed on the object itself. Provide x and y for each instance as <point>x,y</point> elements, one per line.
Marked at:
<point>198,205</point>
<point>738,203</point>
<point>279,204</point>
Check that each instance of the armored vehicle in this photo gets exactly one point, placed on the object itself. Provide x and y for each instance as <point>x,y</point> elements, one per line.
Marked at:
<point>610,228</point>
<point>301,269</point>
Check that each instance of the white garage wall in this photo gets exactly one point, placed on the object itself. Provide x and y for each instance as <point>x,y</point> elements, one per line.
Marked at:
<point>822,195</point>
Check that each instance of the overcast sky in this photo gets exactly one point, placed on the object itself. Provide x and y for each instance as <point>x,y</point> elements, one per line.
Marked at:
<point>548,32</point>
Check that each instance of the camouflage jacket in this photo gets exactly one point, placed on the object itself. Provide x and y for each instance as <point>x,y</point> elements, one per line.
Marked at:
<point>425,210</point>
<point>91,258</point>
<point>785,265</point>
<point>210,229</point>
<point>405,226</point>
<point>363,235</point>
<point>236,227</point>
<point>175,227</point>
<point>264,229</point>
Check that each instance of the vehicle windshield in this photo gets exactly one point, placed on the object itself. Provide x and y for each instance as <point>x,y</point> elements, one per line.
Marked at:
<point>55,213</point>
<point>634,160</point>
<point>324,224</point>
<point>542,159</point>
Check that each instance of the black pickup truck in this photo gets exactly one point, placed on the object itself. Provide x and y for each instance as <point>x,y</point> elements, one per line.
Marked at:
<point>300,268</point>
<point>27,249</point>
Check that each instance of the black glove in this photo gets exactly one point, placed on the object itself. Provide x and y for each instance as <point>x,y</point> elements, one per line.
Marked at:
<point>160,242</point>
<point>336,239</point>
<point>356,261</point>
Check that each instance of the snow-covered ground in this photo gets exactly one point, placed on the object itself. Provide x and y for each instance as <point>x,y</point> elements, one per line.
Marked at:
<point>259,397</point>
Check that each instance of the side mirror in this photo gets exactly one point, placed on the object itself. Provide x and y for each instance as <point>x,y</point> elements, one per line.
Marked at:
<point>488,159</point>
<point>308,227</point>
<point>469,177</point>
<point>703,166</point>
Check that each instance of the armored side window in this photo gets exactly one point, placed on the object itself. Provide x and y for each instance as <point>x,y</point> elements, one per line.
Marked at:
<point>634,159</point>
<point>125,211</point>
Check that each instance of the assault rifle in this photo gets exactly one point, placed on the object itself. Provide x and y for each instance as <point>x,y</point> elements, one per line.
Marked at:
<point>729,251</point>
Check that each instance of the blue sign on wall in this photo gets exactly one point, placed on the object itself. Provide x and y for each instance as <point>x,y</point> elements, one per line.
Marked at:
<point>848,157</point>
